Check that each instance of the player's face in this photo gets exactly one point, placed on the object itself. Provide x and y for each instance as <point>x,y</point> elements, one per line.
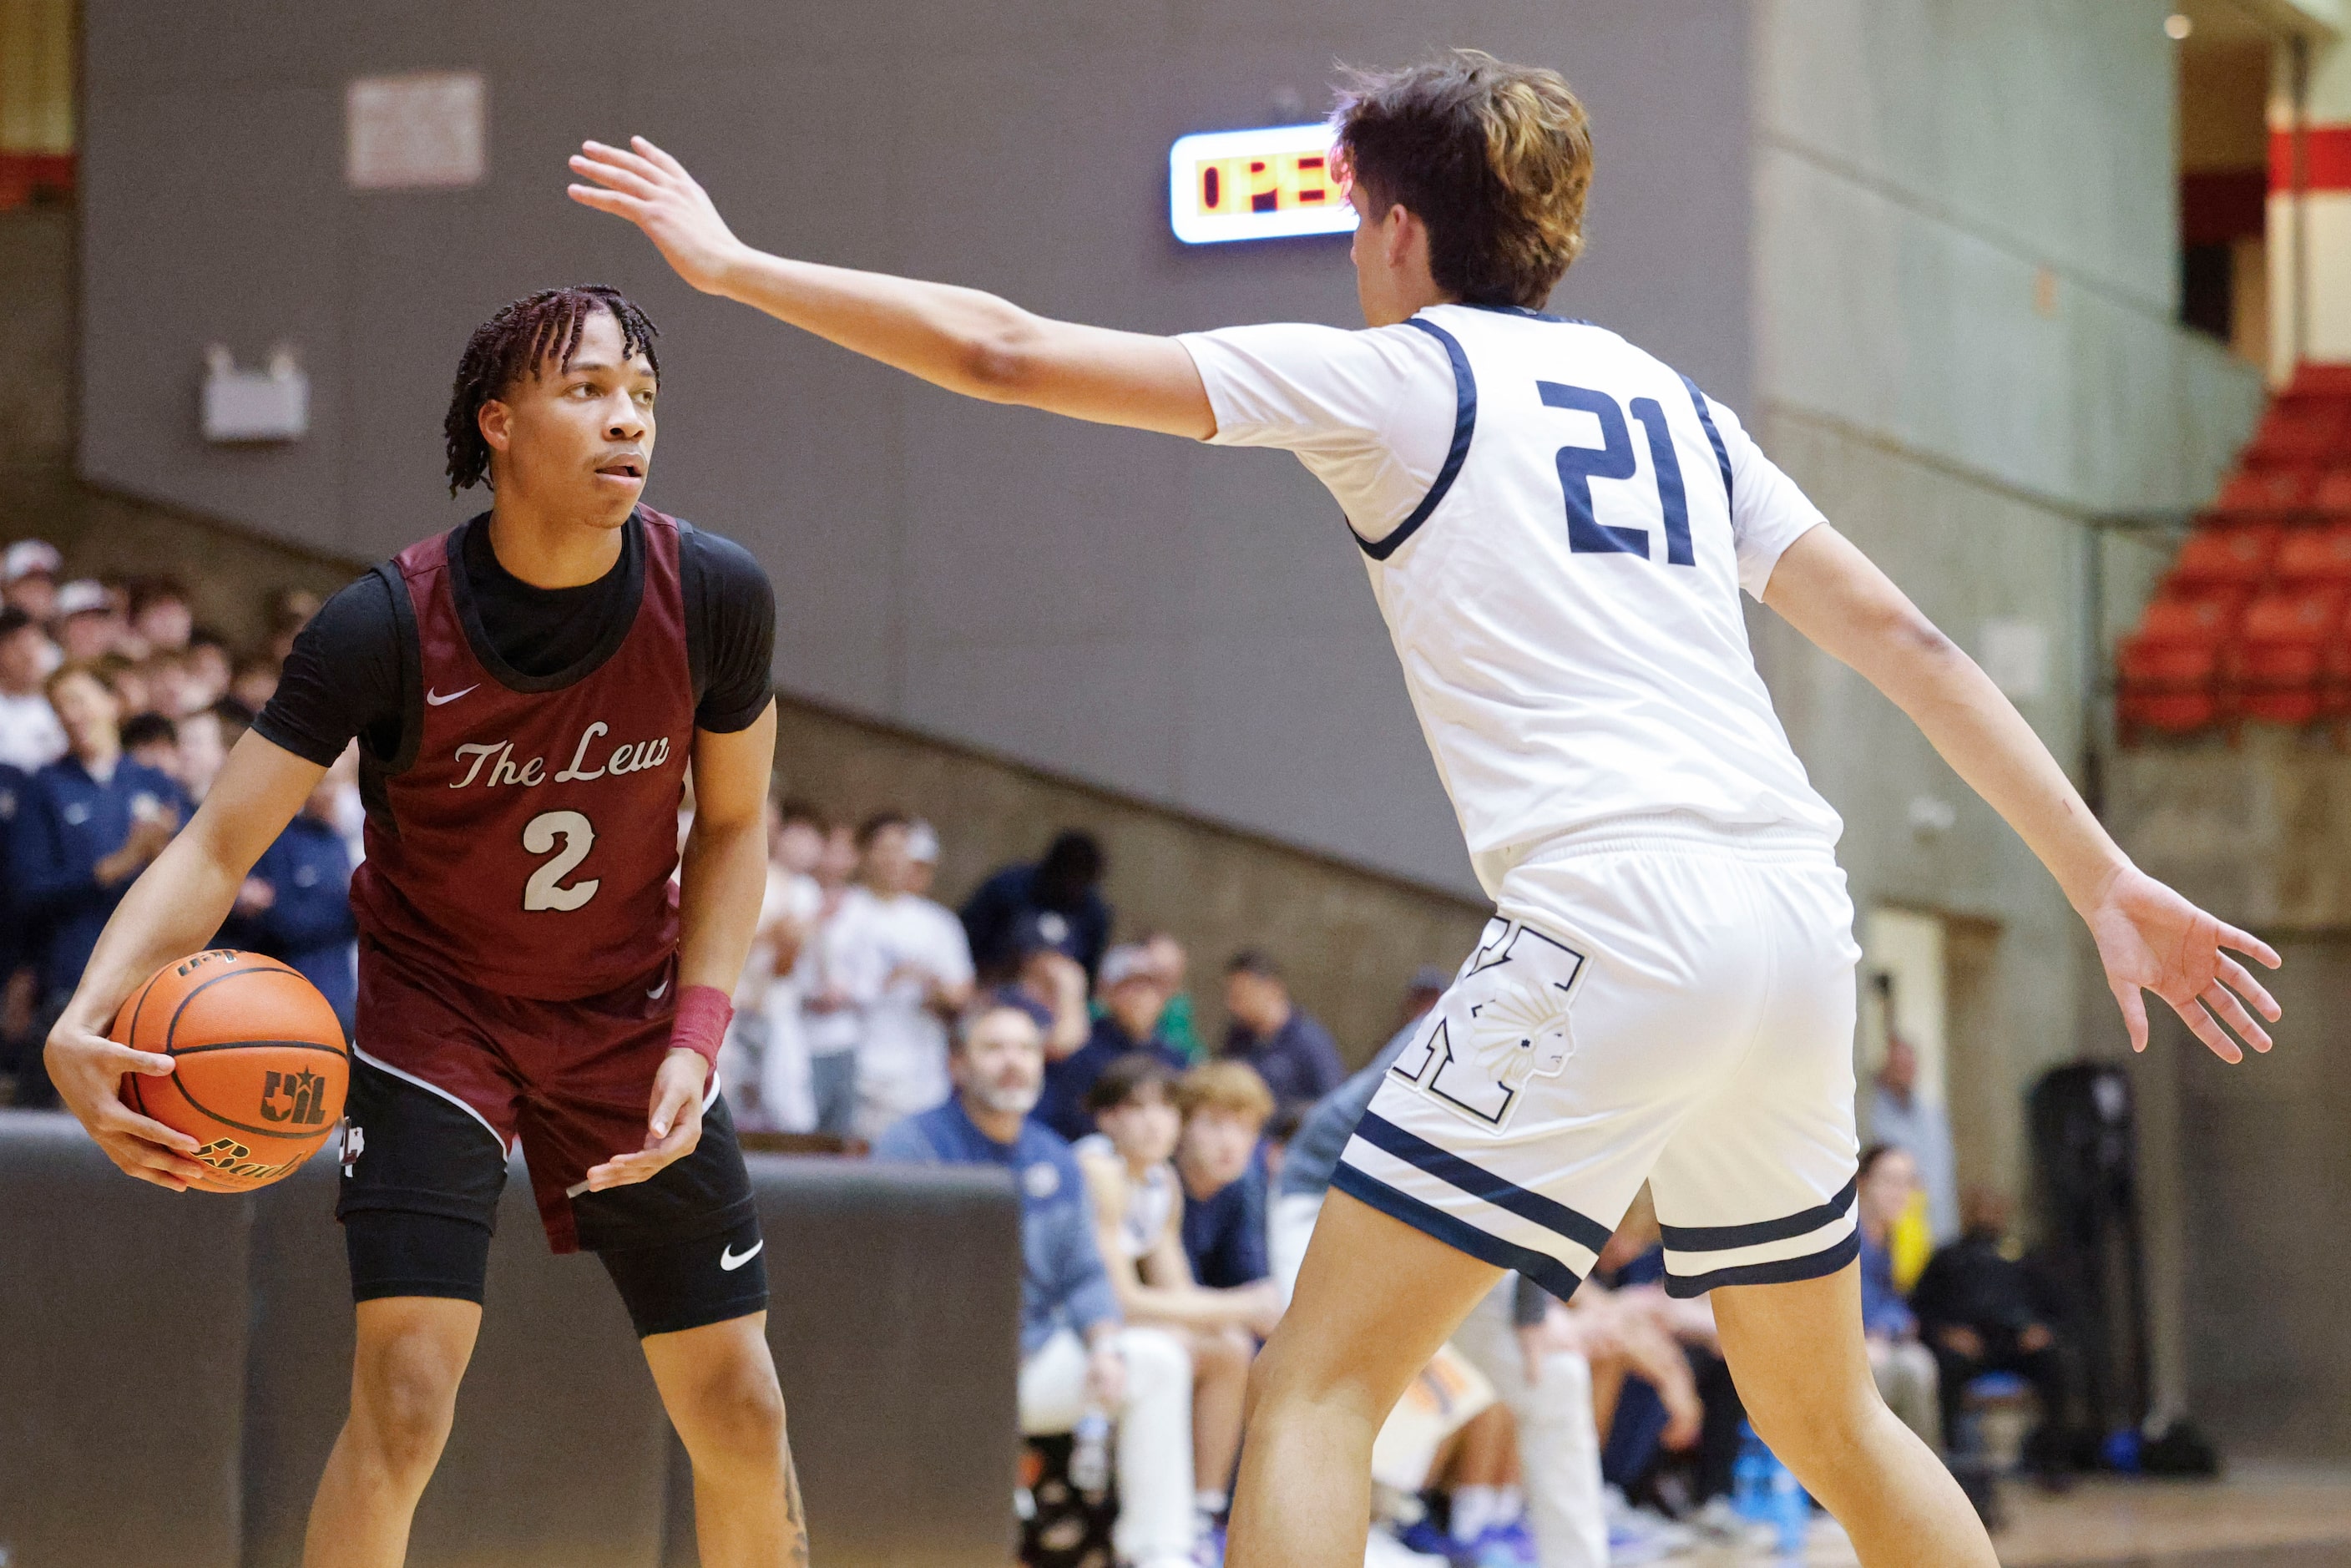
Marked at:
<point>1001,1063</point>
<point>1216,1145</point>
<point>577,439</point>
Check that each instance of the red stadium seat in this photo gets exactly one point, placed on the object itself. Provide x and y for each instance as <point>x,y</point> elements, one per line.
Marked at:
<point>2334,493</point>
<point>2312,557</point>
<point>2170,665</point>
<point>2297,431</point>
<point>2266,492</point>
<point>2222,557</point>
<point>2272,672</point>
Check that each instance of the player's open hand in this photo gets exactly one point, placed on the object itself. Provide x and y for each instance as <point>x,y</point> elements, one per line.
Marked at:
<point>672,1131</point>
<point>87,1069</point>
<point>2150,939</point>
<point>652,190</point>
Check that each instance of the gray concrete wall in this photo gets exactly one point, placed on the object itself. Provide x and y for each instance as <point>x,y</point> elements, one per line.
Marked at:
<point>1188,625</point>
<point>1964,259</point>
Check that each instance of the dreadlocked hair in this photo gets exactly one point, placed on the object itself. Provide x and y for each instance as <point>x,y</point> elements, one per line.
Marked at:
<point>516,341</point>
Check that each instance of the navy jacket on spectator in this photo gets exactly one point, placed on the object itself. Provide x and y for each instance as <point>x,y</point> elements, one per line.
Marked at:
<point>14,951</point>
<point>992,919</point>
<point>1224,1235</point>
<point>67,823</point>
<point>1062,1107</point>
<point>1062,1282</point>
<point>309,923</point>
<point>1299,1064</point>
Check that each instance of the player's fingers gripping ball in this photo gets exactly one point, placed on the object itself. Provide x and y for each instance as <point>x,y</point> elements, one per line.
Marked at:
<point>258,1065</point>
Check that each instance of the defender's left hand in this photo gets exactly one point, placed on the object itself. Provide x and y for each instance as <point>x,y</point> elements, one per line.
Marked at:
<point>651,189</point>
<point>674,1128</point>
<point>2150,939</point>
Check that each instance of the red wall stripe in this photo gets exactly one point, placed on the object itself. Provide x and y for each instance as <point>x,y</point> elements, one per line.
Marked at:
<point>2327,159</point>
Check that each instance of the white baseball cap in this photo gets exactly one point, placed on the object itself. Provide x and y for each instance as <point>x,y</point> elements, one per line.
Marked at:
<point>26,557</point>
<point>81,596</point>
<point>921,843</point>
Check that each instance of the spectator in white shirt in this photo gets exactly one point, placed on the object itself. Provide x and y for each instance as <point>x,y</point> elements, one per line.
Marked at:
<point>902,963</point>
<point>30,736</point>
<point>774,1086</point>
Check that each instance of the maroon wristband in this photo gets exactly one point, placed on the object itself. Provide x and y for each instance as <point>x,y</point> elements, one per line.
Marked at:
<point>700,1025</point>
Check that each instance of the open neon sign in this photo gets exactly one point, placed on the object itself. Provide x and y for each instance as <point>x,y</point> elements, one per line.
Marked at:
<point>1267,184</point>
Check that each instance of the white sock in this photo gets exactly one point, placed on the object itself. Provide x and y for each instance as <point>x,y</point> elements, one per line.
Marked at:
<point>1210,1504</point>
<point>1474,1508</point>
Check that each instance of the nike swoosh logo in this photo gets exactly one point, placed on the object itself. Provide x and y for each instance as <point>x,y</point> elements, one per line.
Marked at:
<point>435,699</point>
<point>728,1261</point>
<point>656,992</point>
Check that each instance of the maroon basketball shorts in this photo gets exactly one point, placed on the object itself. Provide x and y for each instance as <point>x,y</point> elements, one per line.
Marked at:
<point>448,1079</point>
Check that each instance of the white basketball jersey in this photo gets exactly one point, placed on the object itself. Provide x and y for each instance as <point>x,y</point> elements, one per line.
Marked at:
<point>1563,594</point>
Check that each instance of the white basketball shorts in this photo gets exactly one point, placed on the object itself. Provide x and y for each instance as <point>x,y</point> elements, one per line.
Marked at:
<point>1654,1001</point>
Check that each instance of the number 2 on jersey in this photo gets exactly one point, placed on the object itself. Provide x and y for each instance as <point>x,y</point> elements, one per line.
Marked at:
<point>545,890</point>
<point>1613,459</point>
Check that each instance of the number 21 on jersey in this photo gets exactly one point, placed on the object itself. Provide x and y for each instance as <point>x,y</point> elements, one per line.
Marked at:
<point>1613,459</point>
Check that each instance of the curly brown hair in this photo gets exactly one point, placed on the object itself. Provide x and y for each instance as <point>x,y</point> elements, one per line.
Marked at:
<point>522,335</point>
<point>1495,159</point>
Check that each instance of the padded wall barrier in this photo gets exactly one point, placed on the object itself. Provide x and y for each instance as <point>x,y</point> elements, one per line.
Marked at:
<point>173,1371</point>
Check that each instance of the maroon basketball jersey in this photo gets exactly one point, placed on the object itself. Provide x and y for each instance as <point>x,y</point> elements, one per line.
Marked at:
<point>526,840</point>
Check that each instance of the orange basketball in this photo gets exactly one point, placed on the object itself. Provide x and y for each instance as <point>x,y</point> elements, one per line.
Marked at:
<point>258,1065</point>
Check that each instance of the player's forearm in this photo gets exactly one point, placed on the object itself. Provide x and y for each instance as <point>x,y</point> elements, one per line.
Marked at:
<point>169,912</point>
<point>960,338</point>
<point>721,881</point>
<point>1987,742</point>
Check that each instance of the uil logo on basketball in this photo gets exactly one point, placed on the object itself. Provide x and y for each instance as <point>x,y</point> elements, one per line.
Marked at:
<point>1503,1024</point>
<point>303,1096</point>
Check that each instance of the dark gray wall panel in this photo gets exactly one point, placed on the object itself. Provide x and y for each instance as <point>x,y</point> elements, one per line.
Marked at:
<point>1128,608</point>
<point>122,1314</point>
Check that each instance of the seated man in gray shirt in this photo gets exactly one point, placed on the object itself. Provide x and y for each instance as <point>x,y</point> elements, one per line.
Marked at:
<point>1074,1355</point>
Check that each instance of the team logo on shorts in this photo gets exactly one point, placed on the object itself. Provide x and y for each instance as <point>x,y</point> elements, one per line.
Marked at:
<point>1503,1024</point>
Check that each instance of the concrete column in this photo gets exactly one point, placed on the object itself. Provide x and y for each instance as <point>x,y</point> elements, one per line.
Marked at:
<point>2310,205</point>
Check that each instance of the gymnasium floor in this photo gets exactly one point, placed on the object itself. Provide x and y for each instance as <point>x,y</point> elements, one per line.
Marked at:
<point>2259,1517</point>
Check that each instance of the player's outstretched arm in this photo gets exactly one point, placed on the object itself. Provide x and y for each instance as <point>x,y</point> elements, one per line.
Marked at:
<point>169,912</point>
<point>2148,937</point>
<point>961,339</point>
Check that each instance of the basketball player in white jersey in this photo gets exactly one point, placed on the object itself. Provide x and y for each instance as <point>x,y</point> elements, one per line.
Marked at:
<point>1557,527</point>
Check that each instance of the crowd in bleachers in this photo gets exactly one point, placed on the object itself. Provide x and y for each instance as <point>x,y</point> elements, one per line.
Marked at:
<point>2251,622</point>
<point>117,710</point>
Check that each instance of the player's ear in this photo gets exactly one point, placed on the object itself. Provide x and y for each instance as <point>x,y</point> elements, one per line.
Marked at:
<point>495,422</point>
<point>1397,231</point>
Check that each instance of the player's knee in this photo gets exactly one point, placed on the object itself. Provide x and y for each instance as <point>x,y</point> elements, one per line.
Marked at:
<point>1816,1423</point>
<point>405,1397</point>
<point>738,1418</point>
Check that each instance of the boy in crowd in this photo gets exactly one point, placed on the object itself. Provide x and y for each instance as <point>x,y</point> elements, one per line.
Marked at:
<point>1135,1000</point>
<point>1226,1106</point>
<point>1138,1204</point>
<point>1074,1355</point>
<point>1290,1050</point>
<point>902,961</point>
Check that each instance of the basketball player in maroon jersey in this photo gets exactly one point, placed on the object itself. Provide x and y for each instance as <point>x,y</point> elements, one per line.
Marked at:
<point>527,691</point>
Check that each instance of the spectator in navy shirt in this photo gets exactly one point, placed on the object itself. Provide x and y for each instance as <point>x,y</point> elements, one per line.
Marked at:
<point>1073,1352</point>
<point>1226,1106</point>
<point>296,905</point>
<point>1135,997</point>
<point>1059,898</point>
<point>88,823</point>
<point>1290,1050</point>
